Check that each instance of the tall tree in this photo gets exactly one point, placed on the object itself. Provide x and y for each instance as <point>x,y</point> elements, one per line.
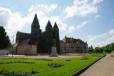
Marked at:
<point>91,49</point>
<point>4,39</point>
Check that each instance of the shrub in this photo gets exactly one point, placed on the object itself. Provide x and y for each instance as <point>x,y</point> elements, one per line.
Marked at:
<point>67,60</point>
<point>45,59</point>
<point>55,65</point>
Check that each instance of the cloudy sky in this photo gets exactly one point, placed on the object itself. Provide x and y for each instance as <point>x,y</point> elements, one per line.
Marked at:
<point>89,20</point>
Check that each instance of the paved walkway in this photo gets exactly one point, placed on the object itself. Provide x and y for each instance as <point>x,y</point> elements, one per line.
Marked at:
<point>38,56</point>
<point>104,67</point>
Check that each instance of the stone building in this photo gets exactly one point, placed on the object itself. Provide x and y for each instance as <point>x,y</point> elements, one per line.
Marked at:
<point>38,41</point>
<point>71,45</point>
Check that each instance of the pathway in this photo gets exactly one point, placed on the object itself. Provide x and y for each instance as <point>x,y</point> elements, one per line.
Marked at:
<point>104,67</point>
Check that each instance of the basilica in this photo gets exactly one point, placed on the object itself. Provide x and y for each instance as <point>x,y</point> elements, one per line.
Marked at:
<point>38,42</point>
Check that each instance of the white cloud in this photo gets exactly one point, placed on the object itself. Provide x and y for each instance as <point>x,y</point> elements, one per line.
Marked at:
<point>82,8</point>
<point>48,8</point>
<point>97,16</point>
<point>71,29</point>
<point>101,39</point>
<point>81,25</point>
<point>62,26</point>
<point>44,8</point>
<point>13,21</point>
<point>111,31</point>
<point>97,1</point>
<point>4,15</point>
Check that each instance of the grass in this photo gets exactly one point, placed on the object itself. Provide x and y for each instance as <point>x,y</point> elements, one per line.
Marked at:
<point>87,54</point>
<point>46,66</point>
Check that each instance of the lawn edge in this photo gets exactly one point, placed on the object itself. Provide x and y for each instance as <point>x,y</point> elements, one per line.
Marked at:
<point>86,67</point>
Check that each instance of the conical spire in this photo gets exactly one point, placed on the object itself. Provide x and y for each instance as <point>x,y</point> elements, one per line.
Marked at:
<point>55,26</point>
<point>35,21</point>
<point>48,25</point>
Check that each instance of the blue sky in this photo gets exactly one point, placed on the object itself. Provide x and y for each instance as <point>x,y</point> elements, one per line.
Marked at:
<point>89,20</point>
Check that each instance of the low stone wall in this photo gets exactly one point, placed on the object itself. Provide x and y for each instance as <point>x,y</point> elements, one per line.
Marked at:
<point>4,52</point>
<point>85,68</point>
<point>25,49</point>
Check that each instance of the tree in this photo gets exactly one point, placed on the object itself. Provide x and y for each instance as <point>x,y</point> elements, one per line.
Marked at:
<point>91,49</point>
<point>4,39</point>
<point>98,50</point>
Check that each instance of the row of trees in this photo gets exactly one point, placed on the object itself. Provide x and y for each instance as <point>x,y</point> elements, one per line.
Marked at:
<point>4,39</point>
<point>108,48</point>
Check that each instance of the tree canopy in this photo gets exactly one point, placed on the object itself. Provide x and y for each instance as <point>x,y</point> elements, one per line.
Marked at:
<point>4,39</point>
<point>108,48</point>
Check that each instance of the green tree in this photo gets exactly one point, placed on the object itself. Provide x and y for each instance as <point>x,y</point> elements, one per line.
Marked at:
<point>98,50</point>
<point>4,39</point>
<point>91,49</point>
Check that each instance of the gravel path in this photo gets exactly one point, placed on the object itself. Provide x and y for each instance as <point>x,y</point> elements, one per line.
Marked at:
<point>39,56</point>
<point>104,67</point>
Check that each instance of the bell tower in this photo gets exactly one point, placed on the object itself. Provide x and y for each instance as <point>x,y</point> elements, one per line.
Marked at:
<point>35,27</point>
<point>56,37</point>
<point>35,31</point>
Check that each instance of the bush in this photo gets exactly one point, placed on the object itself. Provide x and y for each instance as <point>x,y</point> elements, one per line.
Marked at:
<point>6,73</point>
<point>55,65</point>
<point>67,60</point>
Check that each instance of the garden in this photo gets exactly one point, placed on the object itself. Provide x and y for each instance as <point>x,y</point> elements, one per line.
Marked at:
<point>18,66</point>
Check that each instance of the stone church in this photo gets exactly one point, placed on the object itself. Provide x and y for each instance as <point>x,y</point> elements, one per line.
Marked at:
<point>38,42</point>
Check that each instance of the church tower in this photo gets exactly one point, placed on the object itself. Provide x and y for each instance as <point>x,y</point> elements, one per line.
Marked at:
<point>35,31</point>
<point>35,27</point>
<point>56,36</point>
<point>48,26</point>
<point>49,36</point>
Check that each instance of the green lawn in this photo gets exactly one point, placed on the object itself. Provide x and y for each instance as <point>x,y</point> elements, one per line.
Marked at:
<point>46,66</point>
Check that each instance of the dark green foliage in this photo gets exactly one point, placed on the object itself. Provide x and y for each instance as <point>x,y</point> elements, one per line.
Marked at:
<point>6,73</point>
<point>98,50</point>
<point>4,39</point>
<point>45,59</point>
<point>67,60</point>
<point>16,62</point>
<point>108,48</point>
<point>55,65</point>
<point>90,49</point>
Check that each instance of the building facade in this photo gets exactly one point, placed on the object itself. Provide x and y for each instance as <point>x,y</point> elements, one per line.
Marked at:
<point>71,45</point>
<point>38,41</point>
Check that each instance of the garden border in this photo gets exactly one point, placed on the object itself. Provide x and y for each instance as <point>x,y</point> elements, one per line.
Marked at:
<point>85,68</point>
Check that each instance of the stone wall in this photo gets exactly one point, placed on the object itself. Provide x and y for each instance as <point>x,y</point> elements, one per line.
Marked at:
<point>4,52</point>
<point>25,49</point>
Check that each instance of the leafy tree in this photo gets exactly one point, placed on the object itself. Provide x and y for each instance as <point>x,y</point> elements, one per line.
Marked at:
<point>91,49</point>
<point>108,48</point>
<point>4,39</point>
<point>98,50</point>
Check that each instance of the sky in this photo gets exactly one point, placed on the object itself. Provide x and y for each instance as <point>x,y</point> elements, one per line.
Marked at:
<point>89,20</point>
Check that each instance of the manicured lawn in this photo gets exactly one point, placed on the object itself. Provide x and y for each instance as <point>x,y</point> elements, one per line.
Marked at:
<point>46,66</point>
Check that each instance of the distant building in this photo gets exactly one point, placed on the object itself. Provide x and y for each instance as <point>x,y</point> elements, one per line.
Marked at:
<point>38,41</point>
<point>71,45</point>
